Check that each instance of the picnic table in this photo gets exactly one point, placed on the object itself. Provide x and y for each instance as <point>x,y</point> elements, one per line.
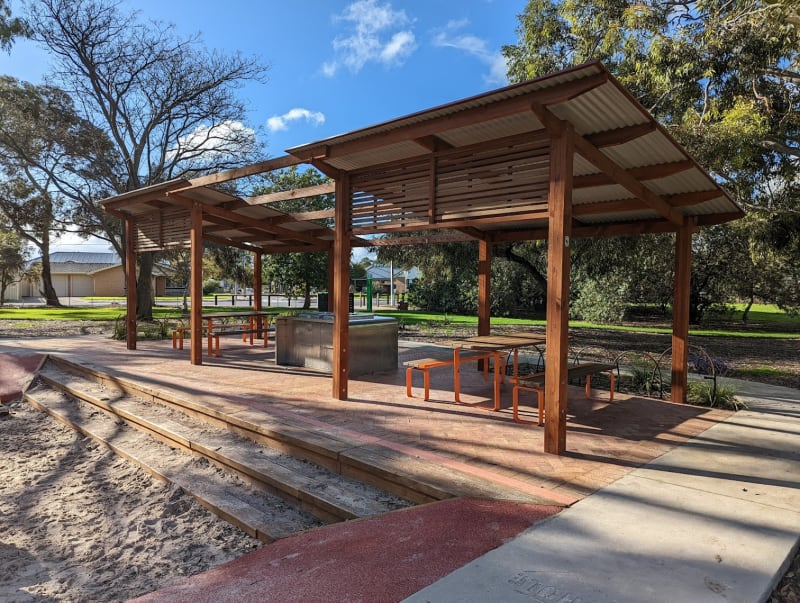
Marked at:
<point>481,347</point>
<point>253,323</point>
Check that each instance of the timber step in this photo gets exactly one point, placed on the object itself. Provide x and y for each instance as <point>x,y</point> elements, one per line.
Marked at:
<point>267,493</point>
<point>392,469</point>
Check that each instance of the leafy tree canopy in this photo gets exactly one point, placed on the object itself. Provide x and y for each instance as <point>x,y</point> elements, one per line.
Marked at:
<point>723,78</point>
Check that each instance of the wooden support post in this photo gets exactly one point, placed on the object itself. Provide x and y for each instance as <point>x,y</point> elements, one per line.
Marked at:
<point>484,286</point>
<point>257,281</point>
<point>130,283</point>
<point>680,313</point>
<point>257,294</point>
<point>341,289</point>
<point>558,265</point>
<point>196,285</point>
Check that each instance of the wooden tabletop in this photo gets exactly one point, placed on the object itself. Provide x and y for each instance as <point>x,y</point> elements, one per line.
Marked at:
<point>239,314</point>
<point>507,341</point>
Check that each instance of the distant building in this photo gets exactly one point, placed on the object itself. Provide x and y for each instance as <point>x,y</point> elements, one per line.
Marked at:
<point>402,278</point>
<point>85,274</point>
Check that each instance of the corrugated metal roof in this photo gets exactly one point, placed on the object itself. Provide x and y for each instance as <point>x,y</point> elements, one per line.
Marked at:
<point>486,143</point>
<point>83,257</point>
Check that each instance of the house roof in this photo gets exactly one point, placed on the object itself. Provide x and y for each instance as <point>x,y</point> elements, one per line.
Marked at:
<point>380,272</point>
<point>86,262</point>
<point>83,257</point>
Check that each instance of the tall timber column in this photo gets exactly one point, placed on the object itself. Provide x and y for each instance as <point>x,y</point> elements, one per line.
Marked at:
<point>484,287</point>
<point>341,289</point>
<point>558,264</point>
<point>257,294</point>
<point>680,313</point>
<point>196,285</point>
<point>130,283</point>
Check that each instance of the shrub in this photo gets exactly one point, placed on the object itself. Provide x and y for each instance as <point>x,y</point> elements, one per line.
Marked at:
<point>157,329</point>
<point>639,374</point>
<point>704,393</point>
<point>210,287</point>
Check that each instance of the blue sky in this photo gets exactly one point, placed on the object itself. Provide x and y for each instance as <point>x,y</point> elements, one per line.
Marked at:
<point>337,65</point>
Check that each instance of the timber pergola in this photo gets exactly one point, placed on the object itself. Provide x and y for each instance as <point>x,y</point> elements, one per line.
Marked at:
<point>571,154</point>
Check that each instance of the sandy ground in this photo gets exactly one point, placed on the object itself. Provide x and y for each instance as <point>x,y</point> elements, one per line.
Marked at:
<point>57,488</point>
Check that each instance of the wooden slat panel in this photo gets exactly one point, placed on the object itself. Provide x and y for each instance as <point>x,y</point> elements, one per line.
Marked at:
<point>484,184</point>
<point>395,194</point>
<point>475,182</point>
<point>166,229</point>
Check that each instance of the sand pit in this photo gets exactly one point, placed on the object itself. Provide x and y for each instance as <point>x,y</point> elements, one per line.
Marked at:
<point>78,523</point>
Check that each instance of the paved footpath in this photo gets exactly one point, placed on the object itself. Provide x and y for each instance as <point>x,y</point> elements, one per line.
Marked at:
<point>716,519</point>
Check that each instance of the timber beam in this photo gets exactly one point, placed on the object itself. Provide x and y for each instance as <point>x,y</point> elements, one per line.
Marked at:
<point>616,173</point>
<point>290,195</point>
<point>212,211</point>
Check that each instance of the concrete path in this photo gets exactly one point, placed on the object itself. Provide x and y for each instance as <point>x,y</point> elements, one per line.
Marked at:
<point>716,519</point>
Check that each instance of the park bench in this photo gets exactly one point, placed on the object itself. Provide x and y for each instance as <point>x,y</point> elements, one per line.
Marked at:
<point>535,383</point>
<point>424,365</point>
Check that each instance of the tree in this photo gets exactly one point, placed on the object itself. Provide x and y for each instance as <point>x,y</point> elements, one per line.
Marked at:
<point>167,104</point>
<point>12,261</point>
<point>721,76</point>
<point>47,152</point>
<point>297,273</point>
<point>449,281</point>
<point>231,264</point>
<point>10,27</point>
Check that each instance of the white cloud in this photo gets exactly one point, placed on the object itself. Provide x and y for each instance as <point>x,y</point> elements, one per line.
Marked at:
<point>450,37</point>
<point>398,47</point>
<point>277,123</point>
<point>377,33</point>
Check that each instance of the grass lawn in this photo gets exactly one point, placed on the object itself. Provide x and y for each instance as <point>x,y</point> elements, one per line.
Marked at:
<point>765,321</point>
<point>781,325</point>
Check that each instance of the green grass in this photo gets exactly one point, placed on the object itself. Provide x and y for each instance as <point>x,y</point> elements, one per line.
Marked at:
<point>761,371</point>
<point>782,326</point>
<point>765,313</point>
<point>413,317</point>
<point>77,313</point>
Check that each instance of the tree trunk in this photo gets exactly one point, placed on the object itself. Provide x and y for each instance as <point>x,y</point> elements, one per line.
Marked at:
<point>144,287</point>
<point>745,314</point>
<point>48,290</point>
<point>307,296</point>
<point>537,276</point>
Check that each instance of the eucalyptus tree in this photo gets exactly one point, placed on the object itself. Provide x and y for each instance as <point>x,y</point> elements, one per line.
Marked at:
<point>49,156</point>
<point>168,105</point>
<point>723,78</point>
<point>12,260</point>
<point>10,26</point>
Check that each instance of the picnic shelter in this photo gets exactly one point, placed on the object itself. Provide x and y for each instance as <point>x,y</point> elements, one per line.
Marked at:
<point>567,155</point>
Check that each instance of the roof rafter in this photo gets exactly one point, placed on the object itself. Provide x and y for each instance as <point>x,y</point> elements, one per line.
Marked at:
<point>295,193</point>
<point>211,210</point>
<point>645,172</point>
<point>242,172</point>
<point>617,174</point>
<point>611,138</point>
